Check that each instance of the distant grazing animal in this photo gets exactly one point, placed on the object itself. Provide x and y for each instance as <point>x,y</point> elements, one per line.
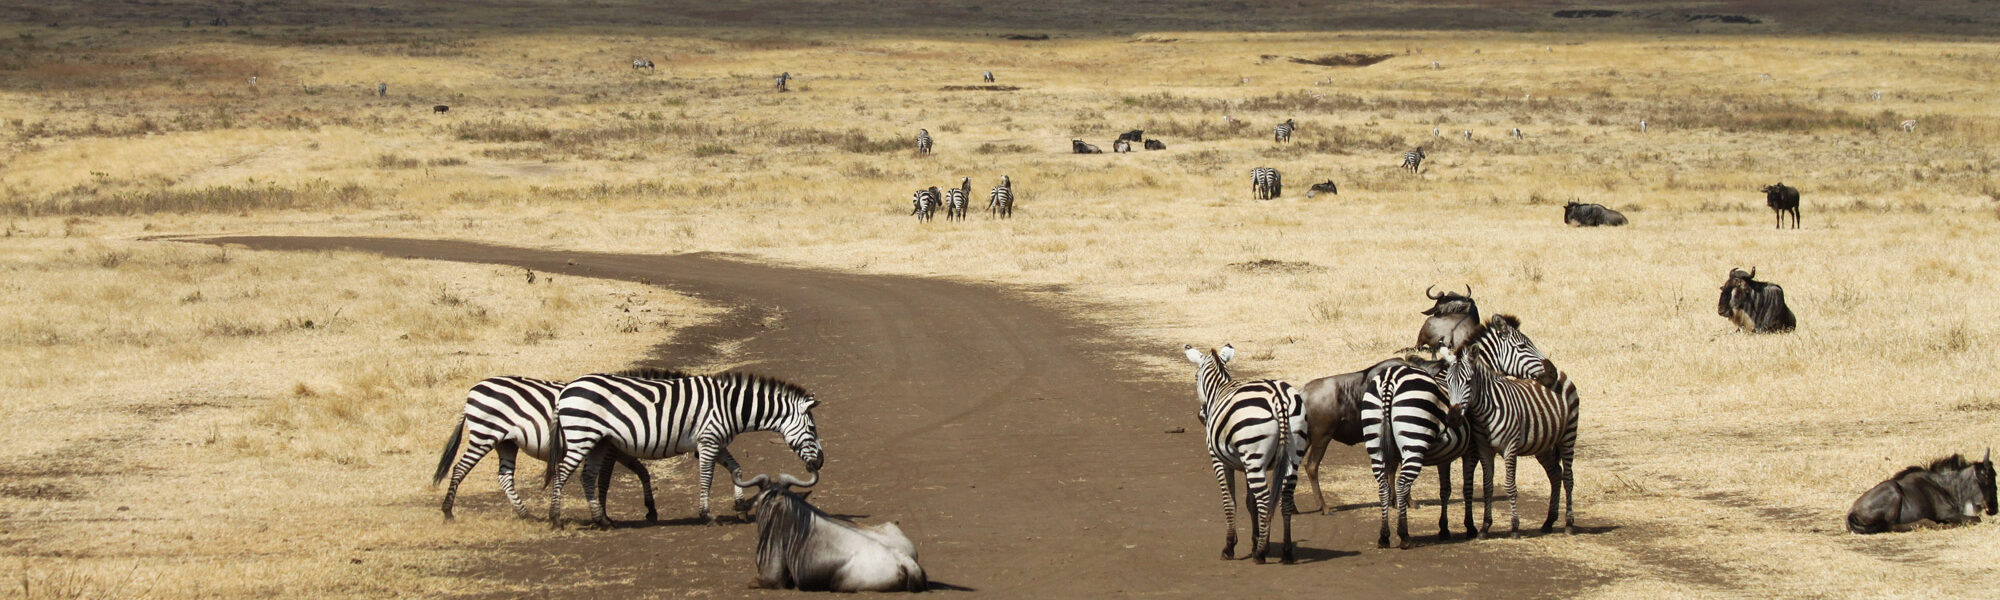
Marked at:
<point>1283,132</point>
<point>1133,135</point>
<point>956,199</point>
<point>1121,146</point>
<point>1413,160</point>
<point>1535,416</point>
<point>1754,306</point>
<point>783,79</point>
<point>1908,126</point>
<point>800,546</point>
<point>1155,145</point>
<point>661,418</point>
<point>923,141</point>
<point>1435,66</point>
<point>1450,321</point>
<point>1079,147</point>
<point>1001,202</point>
<point>1877,96</point>
<point>1591,215</point>
<point>641,63</point>
<point>1259,428</point>
<point>1782,199</point>
<point>511,414</point>
<point>1642,126</point>
<point>1266,183</point>
<point>440,109</point>
<point>1517,133</point>
<point>1324,186</point>
<point>1468,135</point>
<point>989,77</point>
<point>1951,491</point>
<point>924,204</point>
<point>382,89</point>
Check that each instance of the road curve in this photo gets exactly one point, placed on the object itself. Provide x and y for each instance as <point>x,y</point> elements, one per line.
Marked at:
<point>1017,445</point>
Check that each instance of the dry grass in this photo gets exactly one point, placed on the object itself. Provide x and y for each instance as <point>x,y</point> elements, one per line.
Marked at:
<point>1720,463</point>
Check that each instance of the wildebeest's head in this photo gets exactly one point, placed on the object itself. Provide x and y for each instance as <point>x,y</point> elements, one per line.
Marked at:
<point>1774,188</point>
<point>1452,303</point>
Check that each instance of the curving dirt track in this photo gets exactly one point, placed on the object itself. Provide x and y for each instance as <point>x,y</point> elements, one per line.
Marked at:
<point>1018,445</point>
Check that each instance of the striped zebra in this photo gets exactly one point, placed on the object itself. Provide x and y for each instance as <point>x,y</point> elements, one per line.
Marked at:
<point>1413,160</point>
<point>1535,416</point>
<point>511,414</point>
<point>1406,425</point>
<point>1517,133</point>
<point>989,77</point>
<point>1001,202</point>
<point>783,79</point>
<point>641,63</point>
<point>1283,132</point>
<point>956,200</point>
<point>382,89</point>
<point>924,204</point>
<point>1266,183</point>
<point>923,141</point>
<point>1259,428</point>
<point>661,418</point>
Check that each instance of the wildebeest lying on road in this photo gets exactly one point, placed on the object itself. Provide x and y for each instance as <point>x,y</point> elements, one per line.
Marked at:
<point>1951,491</point>
<point>1754,306</point>
<point>800,546</point>
<point>1782,199</point>
<point>1591,215</point>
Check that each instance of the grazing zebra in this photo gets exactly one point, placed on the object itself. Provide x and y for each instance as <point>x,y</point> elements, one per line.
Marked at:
<point>1468,135</point>
<point>1259,428</point>
<point>989,77</point>
<point>1406,425</point>
<point>641,63</point>
<point>1910,125</point>
<point>1517,133</point>
<point>1121,146</point>
<point>1283,132</point>
<point>661,418</point>
<point>1436,133</point>
<point>1413,160</point>
<point>1877,96</point>
<point>511,414</point>
<point>1642,126</point>
<point>784,78</point>
<point>924,203</point>
<point>382,89</point>
<point>1266,183</point>
<point>923,141</point>
<point>956,199</point>
<point>1001,202</point>
<point>1536,416</point>
<point>1435,66</point>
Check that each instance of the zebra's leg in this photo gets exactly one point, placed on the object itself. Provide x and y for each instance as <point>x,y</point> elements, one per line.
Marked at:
<point>507,453</point>
<point>1404,481</point>
<point>645,481</point>
<point>1228,483</point>
<point>1486,476</point>
<point>1383,492</point>
<point>1513,495</point>
<point>1466,464</point>
<point>596,479</point>
<point>728,461</point>
<point>1444,501</point>
<point>565,465</point>
<point>475,449</point>
<point>709,449</point>
<point>1552,466</point>
<point>1569,489</point>
<point>1262,500</point>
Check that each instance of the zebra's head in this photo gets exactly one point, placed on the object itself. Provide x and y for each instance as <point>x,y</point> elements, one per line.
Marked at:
<point>1458,384</point>
<point>801,433</point>
<point>1501,348</point>
<point>1210,373</point>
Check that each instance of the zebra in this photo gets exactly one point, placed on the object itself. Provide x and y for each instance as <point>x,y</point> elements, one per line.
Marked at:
<point>1642,126</point>
<point>1283,132</point>
<point>1259,428</point>
<point>1413,160</point>
<point>1001,202</point>
<point>1121,146</point>
<point>923,141</point>
<point>1468,135</point>
<point>956,199</point>
<point>1517,133</point>
<point>641,63</point>
<point>1909,125</point>
<point>1536,416</point>
<point>1266,183</point>
<point>989,77</point>
<point>661,418</point>
<point>382,89</point>
<point>784,78</point>
<point>924,203</point>
<point>1406,425</point>
<point>511,413</point>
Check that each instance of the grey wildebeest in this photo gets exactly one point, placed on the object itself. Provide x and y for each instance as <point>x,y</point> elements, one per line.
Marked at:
<point>1136,135</point>
<point>1077,146</point>
<point>1325,186</point>
<point>440,109</point>
<point>1450,321</point>
<point>1155,145</point>
<point>800,546</point>
<point>1782,199</point>
<point>1591,215</point>
<point>1754,306</point>
<point>1950,491</point>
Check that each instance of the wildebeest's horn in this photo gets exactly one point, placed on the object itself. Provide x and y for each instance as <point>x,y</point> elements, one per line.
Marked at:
<point>1753,272</point>
<point>753,482</point>
<point>788,479</point>
<point>1468,290</point>
<point>1428,294</point>
<point>1989,455</point>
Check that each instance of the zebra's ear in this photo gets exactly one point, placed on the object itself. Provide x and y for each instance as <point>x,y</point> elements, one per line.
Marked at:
<point>1226,352</point>
<point>1192,354</point>
<point>808,403</point>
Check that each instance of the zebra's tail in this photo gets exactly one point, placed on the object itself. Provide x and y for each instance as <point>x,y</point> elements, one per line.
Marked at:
<point>1285,467</point>
<point>556,449</point>
<point>450,451</point>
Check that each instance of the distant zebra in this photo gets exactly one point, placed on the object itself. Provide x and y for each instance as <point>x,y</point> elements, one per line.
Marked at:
<point>641,63</point>
<point>1910,125</point>
<point>923,141</point>
<point>924,203</point>
<point>1265,183</point>
<point>1642,126</point>
<point>1406,425</point>
<point>1283,132</point>
<point>784,78</point>
<point>1877,96</point>
<point>1518,416</point>
<point>1413,160</point>
<point>1468,135</point>
<point>1001,202</point>
<point>1517,133</point>
<point>1121,146</point>
<point>511,414</point>
<point>956,199</point>
<point>661,418</point>
<point>989,77</point>
<point>1259,428</point>
<point>382,89</point>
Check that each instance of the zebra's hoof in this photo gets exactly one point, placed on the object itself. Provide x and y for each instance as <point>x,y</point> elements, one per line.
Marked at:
<point>652,516</point>
<point>1406,545</point>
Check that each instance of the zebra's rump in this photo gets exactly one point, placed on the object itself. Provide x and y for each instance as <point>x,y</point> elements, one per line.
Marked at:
<point>1243,428</point>
<point>512,409</point>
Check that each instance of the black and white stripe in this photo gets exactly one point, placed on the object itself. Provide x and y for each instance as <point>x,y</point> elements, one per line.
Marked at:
<point>1413,160</point>
<point>783,79</point>
<point>1001,202</point>
<point>956,200</point>
<point>1283,132</point>
<point>1518,417</point>
<point>1266,183</point>
<point>924,204</point>
<point>923,141</point>
<point>989,77</point>
<point>1406,425</point>
<point>511,414</point>
<point>641,63</point>
<point>1259,428</point>
<point>660,418</point>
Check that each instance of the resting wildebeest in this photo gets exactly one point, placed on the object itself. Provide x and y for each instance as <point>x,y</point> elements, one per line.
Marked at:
<point>1591,215</point>
<point>1079,147</point>
<point>1754,306</point>
<point>1951,491</point>
<point>1451,321</point>
<point>800,546</point>
<point>1136,135</point>
<point>1326,186</point>
<point>440,109</point>
<point>1121,146</point>
<point>1155,145</point>
<point>1782,198</point>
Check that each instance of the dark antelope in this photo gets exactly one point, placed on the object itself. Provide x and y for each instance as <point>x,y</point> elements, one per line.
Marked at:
<point>1951,491</point>
<point>1754,306</point>
<point>800,546</point>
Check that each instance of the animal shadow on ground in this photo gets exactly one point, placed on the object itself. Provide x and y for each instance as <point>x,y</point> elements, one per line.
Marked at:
<point>1306,555</point>
<point>736,519</point>
<point>939,586</point>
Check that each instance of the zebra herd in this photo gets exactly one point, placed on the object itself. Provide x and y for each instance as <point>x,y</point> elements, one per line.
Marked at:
<point>925,203</point>
<point>1266,183</point>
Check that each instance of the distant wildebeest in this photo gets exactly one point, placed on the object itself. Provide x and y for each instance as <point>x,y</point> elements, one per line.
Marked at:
<point>1591,215</point>
<point>784,78</point>
<point>1155,145</point>
<point>641,63</point>
<point>1121,146</point>
<point>800,546</point>
<point>1283,132</point>
<point>1324,186</point>
<point>1135,135</point>
<point>1783,198</point>
<point>1754,306</point>
<point>1079,147</point>
<point>1951,491</point>
<point>989,77</point>
<point>1450,321</point>
<point>440,109</point>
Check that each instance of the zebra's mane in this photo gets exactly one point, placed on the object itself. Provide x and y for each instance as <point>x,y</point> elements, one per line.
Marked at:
<point>653,373</point>
<point>742,378</point>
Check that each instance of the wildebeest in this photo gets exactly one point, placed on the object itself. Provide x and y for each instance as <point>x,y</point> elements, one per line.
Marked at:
<point>440,109</point>
<point>1782,198</point>
<point>1326,186</point>
<point>800,546</point>
<point>1121,146</point>
<point>1591,215</point>
<point>1155,145</point>
<point>1754,306</point>
<point>1135,135</point>
<point>1452,319</point>
<point>1950,491</point>
<point>1079,147</point>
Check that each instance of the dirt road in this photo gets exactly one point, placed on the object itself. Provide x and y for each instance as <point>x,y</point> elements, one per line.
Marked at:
<point>1016,444</point>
